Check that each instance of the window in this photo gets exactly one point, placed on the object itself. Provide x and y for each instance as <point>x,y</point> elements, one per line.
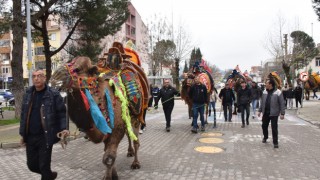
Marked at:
<point>53,37</point>
<point>133,31</point>
<point>317,61</point>
<point>39,51</point>
<point>4,43</point>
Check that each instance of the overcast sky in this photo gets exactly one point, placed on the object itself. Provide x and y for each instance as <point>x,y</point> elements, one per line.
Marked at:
<point>234,32</point>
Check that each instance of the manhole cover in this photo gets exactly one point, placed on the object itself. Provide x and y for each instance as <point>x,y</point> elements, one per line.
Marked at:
<point>211,140</point>
<point>211,134</point>
<point>208,149</point>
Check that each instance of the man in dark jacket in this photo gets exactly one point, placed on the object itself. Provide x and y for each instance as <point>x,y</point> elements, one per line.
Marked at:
<point>243,101</point>
<point>298,95</point>
<point>256,94</point>
<point>272,105</point>
<point>227,96</point>
<point>166,95</point>
<point>198,93</point>
<point>43,116</point>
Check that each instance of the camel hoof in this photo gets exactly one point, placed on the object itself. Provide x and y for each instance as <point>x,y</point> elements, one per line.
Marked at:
<point>135,165</point>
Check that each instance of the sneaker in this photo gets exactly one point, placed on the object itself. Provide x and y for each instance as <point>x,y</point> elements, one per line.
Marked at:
<point>168,129</point>
<point>276,145</point>
<point>202,128</point>
<point>264,140</point>
<point>242,126</point>
<point>194,130</point>
<point>140,131</point>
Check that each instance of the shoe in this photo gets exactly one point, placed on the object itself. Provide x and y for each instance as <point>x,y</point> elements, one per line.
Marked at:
<point>230,121</point>
<point>252,117</point>
<point>140,131</point>
<point>276,145</point>
<point>168,129</point>
<point>194,130</point>
<point>247,123</point>
<point>54,175</point>
<point>205,122</point>
<point>242,126</point>
<point>225,120</point>
<point>264,140</point>
<point>202,128</point>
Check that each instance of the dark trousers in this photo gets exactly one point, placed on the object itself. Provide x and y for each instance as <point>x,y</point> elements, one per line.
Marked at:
<point>229,108</point>
<point>245,108</point>
<point>298,99</point>
<point>274,126</point>
<point>39,156</point>
<point>167,109</point>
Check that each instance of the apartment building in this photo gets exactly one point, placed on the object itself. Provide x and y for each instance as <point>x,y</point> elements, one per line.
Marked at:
<point>5,60</point>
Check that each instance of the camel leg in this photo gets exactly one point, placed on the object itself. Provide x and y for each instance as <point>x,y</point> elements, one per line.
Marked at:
<point>110,154</point>
<point>130,152</point>
<point>136,144</point>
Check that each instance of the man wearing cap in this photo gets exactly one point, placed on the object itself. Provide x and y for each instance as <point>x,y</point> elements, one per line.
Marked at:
<point>227,96</point>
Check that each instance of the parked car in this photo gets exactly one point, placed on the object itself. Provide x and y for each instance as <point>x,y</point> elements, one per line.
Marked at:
<point>11,101</point>
<point>6,94</point>
<point>2,100</point>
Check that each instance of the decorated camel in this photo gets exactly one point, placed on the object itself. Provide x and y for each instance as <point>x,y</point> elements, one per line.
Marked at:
<point>106,101</point>
<point>205,78</point>
<point>235,79</point>
<point>310,82</point>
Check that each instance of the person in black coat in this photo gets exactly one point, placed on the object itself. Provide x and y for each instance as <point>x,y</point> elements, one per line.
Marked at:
<point>227,96</point>
<point>198,93</point>
<point>166,95</point>
<point>298,95</point>
<point>243,101</point>
<point>43,116</point>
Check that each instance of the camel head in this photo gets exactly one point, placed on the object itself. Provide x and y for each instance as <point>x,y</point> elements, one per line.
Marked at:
<point>235,79</point>
<point>274,75</point>
<point>70,75</point>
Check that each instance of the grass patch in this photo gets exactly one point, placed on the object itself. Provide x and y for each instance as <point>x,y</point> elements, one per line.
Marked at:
<point>9,121</point>
<point>8,108</point>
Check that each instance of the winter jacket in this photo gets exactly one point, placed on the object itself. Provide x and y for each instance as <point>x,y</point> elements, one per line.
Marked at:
<point>244,96</point>
<point>167,95</point>
<point>298,92</point>
<point>290,93</point>
<point>277,105</point>
<point>256,93</point>
<point>227,96</point>
<point>198,94</point>
<point>53,110</point>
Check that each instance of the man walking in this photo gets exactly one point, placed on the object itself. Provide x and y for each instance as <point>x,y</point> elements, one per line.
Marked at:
<point>298,95</point>
<point>166,95</point>
<point>272,105</point>
<point>256,94</point>
<point>198,93</point>
<point>43,116</point>
<point>227,97</point>
<point>244,99</point>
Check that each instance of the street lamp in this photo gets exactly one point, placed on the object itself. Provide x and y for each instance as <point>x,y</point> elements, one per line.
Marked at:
<point>29,42</point>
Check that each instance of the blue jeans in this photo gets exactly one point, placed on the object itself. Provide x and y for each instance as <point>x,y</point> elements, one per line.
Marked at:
<point>254,106</point>
<point>213,105</point>
<point>197,108</point>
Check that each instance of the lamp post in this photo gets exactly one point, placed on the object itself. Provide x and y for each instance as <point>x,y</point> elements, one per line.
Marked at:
<point>29,65</point>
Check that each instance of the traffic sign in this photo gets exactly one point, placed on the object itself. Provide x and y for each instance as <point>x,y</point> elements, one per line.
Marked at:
<point>304,76</point>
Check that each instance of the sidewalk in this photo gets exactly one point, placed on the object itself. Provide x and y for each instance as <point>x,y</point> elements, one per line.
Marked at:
<point>9,134</point>
<point>310,111</point>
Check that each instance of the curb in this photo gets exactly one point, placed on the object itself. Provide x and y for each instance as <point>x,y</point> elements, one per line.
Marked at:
<point>315,123</point>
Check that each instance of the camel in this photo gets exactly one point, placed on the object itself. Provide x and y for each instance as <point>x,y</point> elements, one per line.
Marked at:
<point>96,94</point>
<point>313,82</point>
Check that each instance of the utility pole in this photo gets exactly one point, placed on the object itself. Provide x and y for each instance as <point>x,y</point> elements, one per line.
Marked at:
<point>29,65</point>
